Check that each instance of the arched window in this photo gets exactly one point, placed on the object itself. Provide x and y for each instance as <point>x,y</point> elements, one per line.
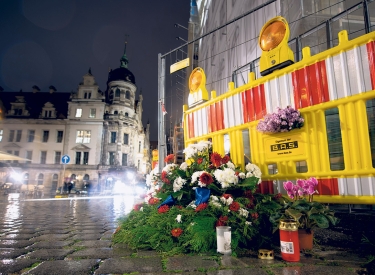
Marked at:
<point>127,95</point>
<point>127,114</point>
<point>117,93</point>
<point>73,177</point>
<point>40,179</point>
<point>86,177</point>
<point>55,180</point>
<point>116,112</point>
<point>25,179</point>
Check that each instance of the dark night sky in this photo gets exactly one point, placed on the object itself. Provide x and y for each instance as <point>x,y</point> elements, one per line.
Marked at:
<point>55,42</point>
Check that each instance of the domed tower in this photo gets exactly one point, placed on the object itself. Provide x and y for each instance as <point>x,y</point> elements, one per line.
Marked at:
<point>124,139</point>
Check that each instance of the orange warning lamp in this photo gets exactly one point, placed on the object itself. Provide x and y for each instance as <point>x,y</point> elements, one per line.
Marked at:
<point>197,87</point>
<point>273,40</point>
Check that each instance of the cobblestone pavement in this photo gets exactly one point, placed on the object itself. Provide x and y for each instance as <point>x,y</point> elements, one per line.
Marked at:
<point>73,236</point>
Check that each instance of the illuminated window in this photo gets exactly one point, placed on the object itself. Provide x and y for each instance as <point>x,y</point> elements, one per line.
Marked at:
<point>79,112</point>
<point>92,113</point>
<point>83,136</point>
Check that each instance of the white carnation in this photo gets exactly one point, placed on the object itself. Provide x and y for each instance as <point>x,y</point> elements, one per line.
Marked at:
<point>183,166</point>
<point>178,183</point>
<point>243,212</point>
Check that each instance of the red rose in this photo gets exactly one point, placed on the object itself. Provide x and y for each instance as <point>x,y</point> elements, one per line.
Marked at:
<point>201,207</point>
<point>216,159</point>
<point>169,158</point>
<point>153,201</point>
<point>137,206</point>
<point>234,206</point>
<point>163,209</point>
<point>176,232</point>
<point>222,221</point>
<point>254,215</point>
<point>164,177</point>
<point>206,178</point>
<point>227,196</point>
<point>225,159</point>
<point>199,160</point>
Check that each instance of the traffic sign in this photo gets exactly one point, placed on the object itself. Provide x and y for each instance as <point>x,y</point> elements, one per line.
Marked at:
<point>65,159</point>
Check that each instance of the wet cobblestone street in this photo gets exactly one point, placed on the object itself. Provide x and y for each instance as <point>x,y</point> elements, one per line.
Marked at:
<point>73,236</point>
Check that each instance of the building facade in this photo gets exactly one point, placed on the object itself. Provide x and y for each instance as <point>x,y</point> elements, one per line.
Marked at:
<point>101,132</point>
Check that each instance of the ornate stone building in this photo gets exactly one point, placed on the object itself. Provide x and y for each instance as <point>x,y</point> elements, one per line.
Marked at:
<point>101,132</point>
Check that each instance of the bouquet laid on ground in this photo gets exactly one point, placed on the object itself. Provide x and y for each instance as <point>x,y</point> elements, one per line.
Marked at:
<point>300,207</point>
<point>186,202</point>
<point>283,120</point>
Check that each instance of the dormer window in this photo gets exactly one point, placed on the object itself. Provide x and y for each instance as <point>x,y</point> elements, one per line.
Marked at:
<point>87,95</point>
<point>18,108</point>
<point>48,111</point>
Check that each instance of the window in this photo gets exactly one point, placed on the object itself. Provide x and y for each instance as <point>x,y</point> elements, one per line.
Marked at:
<point>87,95</point>
<point>86,177</point>
<point>11,135</point>
<point>60,135</point>
<point>40,179</point>
<point>19,135</point>
<point>126,114</point>
<point>85,158</point>
<point>92,113</point>
<point>29,155</point>
<point>113,137</point>
<point>78,157</point>
<point>43,157</point>
<point>124,161</point>
<point>45,136</point>
<point>25,179</point>
<point>126,138</point>
<point>1,134</point>
<point>55,180</point>
<point>127,95</point>
<point>57,157</point>
<point>16,153</point>
<point>117,93</point>
<point>47,113</point>
<point>17,112</point>
<point>9,152</point>
<point>139,165</point>
<point>30,136</point>
<point>79,112</point>
<point>83,136</point>
<point>139,146</point>
<point>111,158</point>
<point>116,112</point>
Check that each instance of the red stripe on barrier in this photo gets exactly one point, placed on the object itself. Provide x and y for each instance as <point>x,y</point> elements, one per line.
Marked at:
<point>244,107</point>
<point>220,115</point>
<point>213,118</point>
<point>371,60</point>
<point>209,119</point>
<point>258,96</point>
<point>324,81</point>
<point>312,85</point>
<point>297,103</point>
<point>250,105</point>
<point>328,187</point>
<point>191,125</point>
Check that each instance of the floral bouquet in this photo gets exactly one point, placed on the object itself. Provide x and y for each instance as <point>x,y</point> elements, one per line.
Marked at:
<point>283,120</point>
<point>186,202</point>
